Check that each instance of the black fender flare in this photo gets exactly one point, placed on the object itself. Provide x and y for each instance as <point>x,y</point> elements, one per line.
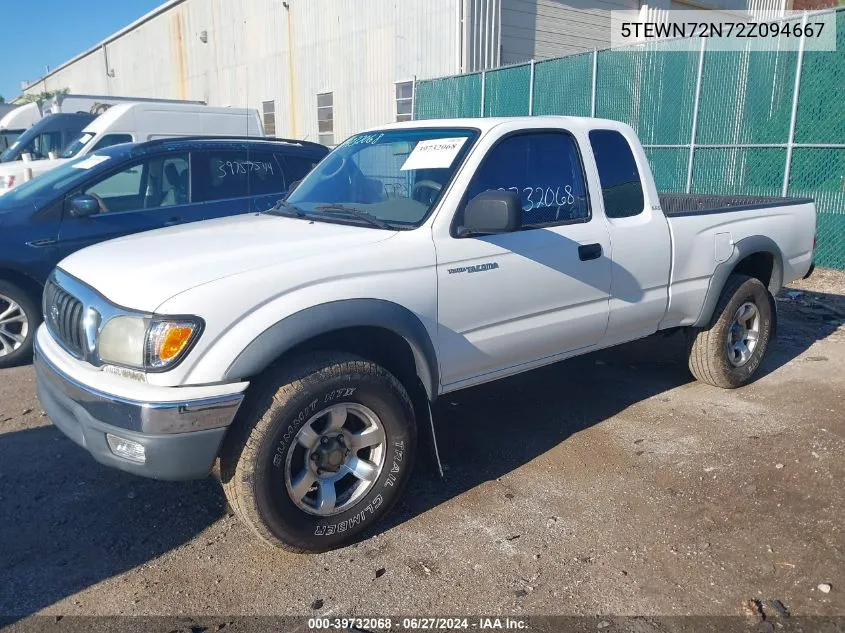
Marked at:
<point>311,322</point>
<point>742,249</point>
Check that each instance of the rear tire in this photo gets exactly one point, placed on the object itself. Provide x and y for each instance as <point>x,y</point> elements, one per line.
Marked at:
<point>729,352</point>
<point>19,318</point>
<point>321,451</point>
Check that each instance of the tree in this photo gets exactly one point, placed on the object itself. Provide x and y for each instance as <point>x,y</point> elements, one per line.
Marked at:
<point>44,96</point>
<point>2,99</point>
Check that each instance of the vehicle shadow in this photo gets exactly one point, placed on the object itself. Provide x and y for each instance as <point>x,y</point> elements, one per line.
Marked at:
<point>67,523</point>
<point>804,317</point>
<point>487,431</point>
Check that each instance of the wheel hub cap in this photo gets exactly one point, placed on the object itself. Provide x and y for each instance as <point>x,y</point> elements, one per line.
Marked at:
<point>335,459</point>
<point>743,334</point>
<point>330,454</point>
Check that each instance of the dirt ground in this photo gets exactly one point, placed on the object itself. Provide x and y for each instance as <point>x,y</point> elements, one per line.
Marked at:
<point>609,484</point>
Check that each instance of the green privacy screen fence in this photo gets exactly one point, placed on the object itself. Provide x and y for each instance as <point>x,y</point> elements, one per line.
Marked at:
<point>761,122</point>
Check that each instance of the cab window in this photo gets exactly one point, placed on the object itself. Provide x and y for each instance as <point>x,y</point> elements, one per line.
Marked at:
<point>297,167</point>
<point>112,139</point>
<point>544,169</point>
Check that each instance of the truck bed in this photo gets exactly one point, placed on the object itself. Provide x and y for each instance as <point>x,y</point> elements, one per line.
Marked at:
<point>680,204</point>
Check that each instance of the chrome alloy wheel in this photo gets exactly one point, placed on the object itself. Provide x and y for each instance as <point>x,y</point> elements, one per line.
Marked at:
<point>14,326</point>
<point>743,334</point>
<point>335,459</point>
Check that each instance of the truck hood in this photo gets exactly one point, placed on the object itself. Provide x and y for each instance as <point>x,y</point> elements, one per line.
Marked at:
<point>142,271</point>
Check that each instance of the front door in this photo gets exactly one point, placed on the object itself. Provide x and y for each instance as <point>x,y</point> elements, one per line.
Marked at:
<point>514,299</point>
<point>147,194</point>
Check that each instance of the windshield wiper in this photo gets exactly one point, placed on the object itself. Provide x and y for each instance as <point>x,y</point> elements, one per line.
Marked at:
<point>358,213</point>
<point>283,207</point>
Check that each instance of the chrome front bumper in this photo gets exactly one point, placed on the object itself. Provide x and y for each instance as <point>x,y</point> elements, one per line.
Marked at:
<point>181,439</point>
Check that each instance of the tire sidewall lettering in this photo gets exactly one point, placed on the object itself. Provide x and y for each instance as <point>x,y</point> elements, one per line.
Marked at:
<point>391,474</point>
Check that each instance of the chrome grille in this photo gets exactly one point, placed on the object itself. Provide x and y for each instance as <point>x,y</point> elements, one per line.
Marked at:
<point>63,314</point>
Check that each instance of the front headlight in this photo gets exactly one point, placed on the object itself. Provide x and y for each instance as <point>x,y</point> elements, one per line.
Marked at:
<point>122,341</point>
<point>146,343</point>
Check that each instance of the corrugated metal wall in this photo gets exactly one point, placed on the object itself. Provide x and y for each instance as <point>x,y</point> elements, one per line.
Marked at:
<point>541,29</point>
<point>481,34</point>
<point>337,47</point>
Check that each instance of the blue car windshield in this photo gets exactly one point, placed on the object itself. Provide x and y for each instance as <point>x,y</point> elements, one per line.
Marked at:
<point>55,181</point>
<point>392,177</point>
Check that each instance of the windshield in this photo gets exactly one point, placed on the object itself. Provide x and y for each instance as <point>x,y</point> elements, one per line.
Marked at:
<point>54,181</point>
<point>395,177</point>
<point>24,143</point>
<point>77,144</point>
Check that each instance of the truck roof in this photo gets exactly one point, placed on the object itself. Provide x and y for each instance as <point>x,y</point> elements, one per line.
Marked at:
<point>484,124</point>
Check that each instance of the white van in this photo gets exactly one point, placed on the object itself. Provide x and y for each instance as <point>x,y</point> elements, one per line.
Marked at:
<point>96,104</point>
<point>16,122</point>
<point>139,122</point>
<point>13,124</point>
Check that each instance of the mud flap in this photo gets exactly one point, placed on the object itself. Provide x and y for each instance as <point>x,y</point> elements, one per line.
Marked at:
<point>773,302</point>
<point>427,433</point>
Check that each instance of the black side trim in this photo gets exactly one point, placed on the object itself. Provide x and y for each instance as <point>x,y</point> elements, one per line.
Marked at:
<point>678,205</point>
<point>336,315</point>
<point>742,249</point>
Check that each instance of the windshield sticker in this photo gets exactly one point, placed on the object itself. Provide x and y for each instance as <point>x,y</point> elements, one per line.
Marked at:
<point>436,153</point>
<point>91,161</point>
<point>85,138</point>
<point>364,139</point>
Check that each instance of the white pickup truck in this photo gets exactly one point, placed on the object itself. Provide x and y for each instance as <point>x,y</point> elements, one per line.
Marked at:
<point>302,347</point>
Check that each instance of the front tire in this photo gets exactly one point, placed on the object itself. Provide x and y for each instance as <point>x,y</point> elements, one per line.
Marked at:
<point>729,352</point>
<point>19,318</point>
<point>321,452</point>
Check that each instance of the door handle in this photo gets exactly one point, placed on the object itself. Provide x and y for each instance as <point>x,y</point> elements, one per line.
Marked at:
<point>42,243</point>
<point>589,251</point>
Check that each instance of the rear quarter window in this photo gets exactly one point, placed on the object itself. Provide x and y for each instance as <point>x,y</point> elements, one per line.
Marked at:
<point>298,166</point>
<point>621,187</point>
<point>239,173</point>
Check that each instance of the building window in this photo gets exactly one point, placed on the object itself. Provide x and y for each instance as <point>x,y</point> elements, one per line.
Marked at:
<point>325,118</point>
<point>404,101</point>
<point>269,110</point>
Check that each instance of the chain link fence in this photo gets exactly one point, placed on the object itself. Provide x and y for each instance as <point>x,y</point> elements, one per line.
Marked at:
<point>763,122</point>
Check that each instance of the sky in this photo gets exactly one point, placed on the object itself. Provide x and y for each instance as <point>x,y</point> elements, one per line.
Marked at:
<point>57,31</point>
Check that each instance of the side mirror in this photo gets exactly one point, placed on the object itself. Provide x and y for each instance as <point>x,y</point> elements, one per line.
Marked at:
<point>83,205</point>
<point>493,211</point>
